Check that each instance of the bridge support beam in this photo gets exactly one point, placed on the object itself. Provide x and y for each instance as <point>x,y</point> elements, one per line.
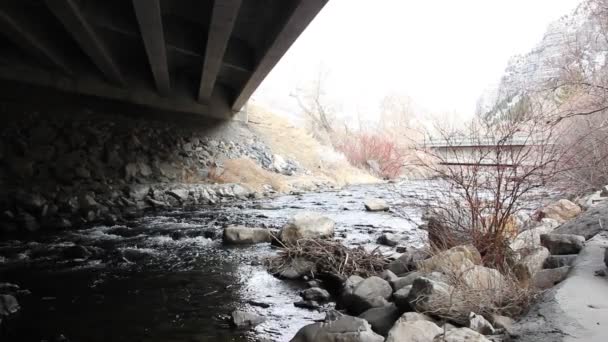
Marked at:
<point>223,17</point>
<point>76,24</point>
<point>151,27</point>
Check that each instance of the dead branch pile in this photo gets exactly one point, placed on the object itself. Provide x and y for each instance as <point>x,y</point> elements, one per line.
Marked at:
<point>329,257</point>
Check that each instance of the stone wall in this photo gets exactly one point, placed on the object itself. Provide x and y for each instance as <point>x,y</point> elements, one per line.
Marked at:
<point>70,166</point>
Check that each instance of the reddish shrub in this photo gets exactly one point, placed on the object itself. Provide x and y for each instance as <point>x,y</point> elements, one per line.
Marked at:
<point>363,150</point>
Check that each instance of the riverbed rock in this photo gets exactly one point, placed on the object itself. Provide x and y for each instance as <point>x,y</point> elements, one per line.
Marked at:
<point>483,278</point>
<point>555,261</point>
<point>388,239</point>
<point>8,305</point>
<point>382,318</point>
<point>404,281</point>
<point>413,331</point>
<point>427,295</point>
<point>242,319</point>
<point>587,224</point>
<point>415,316</point>
<point>369,293</point>
<point>547,278</point>
<point>376,204</point>
<point>400,297</point>
<point>562,210</point>
<point>297,268</point>
<point>315,293</point>
<point>531,263</point>
<point>307,225</point>
<point>388,275</point>
<point>461,335</point>
<point>408,260</point>
<point>246,235</point>
<point>454,260</point>
<point>530,238</point>
<point>561,244</point>
<point>480,324</point>
<point>343,329</point>
<point>502,322</point>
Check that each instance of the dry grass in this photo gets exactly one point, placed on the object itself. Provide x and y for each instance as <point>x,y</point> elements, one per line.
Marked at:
<point>330,257</point>
<point>249,174</point>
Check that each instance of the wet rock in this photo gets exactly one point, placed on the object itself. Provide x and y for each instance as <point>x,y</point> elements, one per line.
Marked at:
<point>400,298</point>
<point>297,268</point>
<point>388,239</point>
<point>547,278</point>
<point>246,235</point>
<point>307,225</point>
<point>562,210</point>
<point>555,261</point>
<point>242,319</point>
<point>587,224</point>
<point>375,204</point>
<point>344,328</point>
<point>76,252</point>
<point>315,293</point>
<point>413,331</point>
<point>382,318</point>
<point>460,335</point>
<point>307,304</point>
<point>404,281</point>
<point>480,324</point>
<point>8,305</point>
<point>531,263</point>
<point>561,244</point>
<point>369,293</point>
<point>407,261</point>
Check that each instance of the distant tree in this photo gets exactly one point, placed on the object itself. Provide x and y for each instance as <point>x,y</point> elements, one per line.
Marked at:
<point>315,107</point>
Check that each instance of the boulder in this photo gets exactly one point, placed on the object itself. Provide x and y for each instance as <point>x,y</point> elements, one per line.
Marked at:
<point>502,322</point>
<point>307,225</point>
<point>407,280</point>
<point>369,293</point>
<point>388,239</point>
<point>375,204</point>
<point>453,261</point>
<point>414,316</point>
<point>408,260</point>
<point>480,324</point>
<point>588,224</point>
<point>460,335</point>
<point>242,319</point>
<point>400,297</point>
<point>530,238</point>
<point>246,235</point>
<point>343,329</point>
<point>562,210</point>
<point>428,295</point>
<point>297,268</point>
<point>555,261</point>
<point>547,278</point>
<point>315,293</point>
<point>413,331</point>
<point>388,275</point>
<point>561,244</point>
<point>483,278</point>
<point>382,318</point>
<point>531,263</point>
<point>8,305</point>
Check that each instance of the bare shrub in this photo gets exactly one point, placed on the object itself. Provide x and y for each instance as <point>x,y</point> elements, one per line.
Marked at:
<point>375,152</point>
<point>329,257</point>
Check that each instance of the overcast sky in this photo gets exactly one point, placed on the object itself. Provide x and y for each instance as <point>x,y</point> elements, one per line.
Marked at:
<point>441,53</point>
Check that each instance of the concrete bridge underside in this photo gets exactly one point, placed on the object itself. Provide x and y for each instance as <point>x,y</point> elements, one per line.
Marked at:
<point>203,57</point>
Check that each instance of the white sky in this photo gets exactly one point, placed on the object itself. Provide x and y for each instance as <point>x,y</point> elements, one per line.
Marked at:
<point>441,53</point>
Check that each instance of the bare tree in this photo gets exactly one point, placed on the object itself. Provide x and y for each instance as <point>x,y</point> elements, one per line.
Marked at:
<point>313,103</point>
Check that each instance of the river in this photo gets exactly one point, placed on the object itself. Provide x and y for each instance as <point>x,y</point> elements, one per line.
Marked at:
<point>168,277</point>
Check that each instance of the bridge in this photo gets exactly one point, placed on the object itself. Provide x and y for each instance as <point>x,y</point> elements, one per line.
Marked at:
<point>201,57</point>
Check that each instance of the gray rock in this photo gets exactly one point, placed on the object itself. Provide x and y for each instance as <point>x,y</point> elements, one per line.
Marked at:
<point>460,335</point>
<point>382,318</point>
<point>388,276</point>
<point>547,278</point>
<point>375,204</point>
<point>502,322</point>
<point>480,324</point>
<point>407,280</point>
<point>401,298</point>
<point>413,331</point>
<point>298,268</point>
<point>8,305</point>
<point>242,319</point>
<point>531,263</point>
<point>555,261</point>
<point>246,235</point>
<point>388,239</point>
<point>342,329</point>
<point>429,295</point>
<point>587,224</point>
<point>560,244</point>
<point>415,316</point>
<point>562,210</point>
<point>307,225</point>
<point>315,293</point>
<point>369,293</point>
<point>408,260</point>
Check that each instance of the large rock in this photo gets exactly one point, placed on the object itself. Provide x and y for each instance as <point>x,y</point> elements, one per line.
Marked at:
<point>427,295</point>
<point>307,226</point>
<point>531,263</point>
<point>242,319</point>
<point>587,224</point>
<point>297,268</point>
<point>408,260</point>
<point>555,261</point>
<point>461,335</point>
<point>547,278</point>
<point>453,261</point>
<point>400,297</point>
<point>530,238</point>
<point>388,239</point>
<point>404,281</point>
<point>369,293</point>
<point>375,204</point>
<point>8,305</point>
<point>480,324</point>
<point>382,318</point>
<point>483,278</point>
<point>413,331</point>
<point>316,294</point>
<point>343,329</point>
<point>562,210</point>
<point>562,244</point>
<point>246,235</point>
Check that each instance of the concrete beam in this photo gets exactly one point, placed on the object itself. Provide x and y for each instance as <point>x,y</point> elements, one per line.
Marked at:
<point>298,20</point>
<point>223,17</point>
<point>76,24</point>
<point>21,32</point>
<point>151,27</point>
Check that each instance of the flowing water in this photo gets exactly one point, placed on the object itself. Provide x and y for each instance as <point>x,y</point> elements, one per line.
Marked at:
<point>167,276</point>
